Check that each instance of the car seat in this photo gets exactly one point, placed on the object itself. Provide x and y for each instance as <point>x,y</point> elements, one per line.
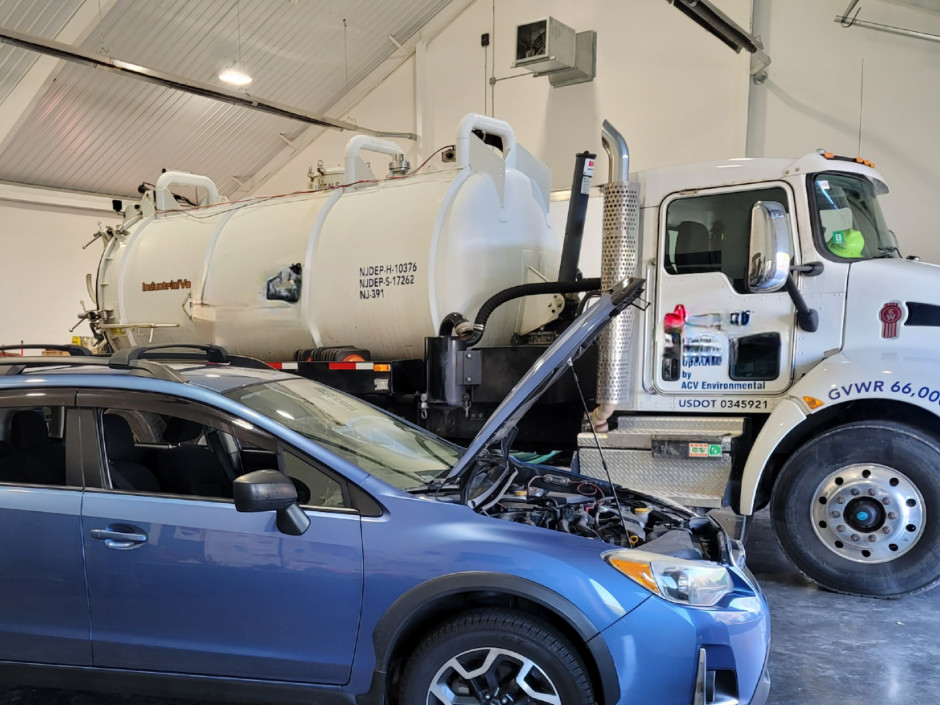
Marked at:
<point>126,473</point>
<point>191,469</point>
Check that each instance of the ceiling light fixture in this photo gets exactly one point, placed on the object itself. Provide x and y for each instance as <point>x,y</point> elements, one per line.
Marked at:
<point>233,74</point>
<point>235,77</point>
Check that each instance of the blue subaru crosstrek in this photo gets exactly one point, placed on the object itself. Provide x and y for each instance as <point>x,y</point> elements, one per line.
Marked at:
<point>188,524</point>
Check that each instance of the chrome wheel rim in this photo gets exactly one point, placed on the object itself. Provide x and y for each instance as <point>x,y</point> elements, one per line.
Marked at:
<point>868,513</point>
<point>492,676</point>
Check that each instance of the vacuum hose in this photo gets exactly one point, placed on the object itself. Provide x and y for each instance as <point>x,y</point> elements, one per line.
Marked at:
<point>515,292</point>
<point>455,323</point>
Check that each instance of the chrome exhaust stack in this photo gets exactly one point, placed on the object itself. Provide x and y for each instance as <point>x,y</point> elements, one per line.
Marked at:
<point>620,258</point>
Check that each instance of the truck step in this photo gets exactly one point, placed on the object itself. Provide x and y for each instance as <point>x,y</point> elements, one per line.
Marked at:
<point>692,482</point>
<point>687,459</point>
<point>638,432</point>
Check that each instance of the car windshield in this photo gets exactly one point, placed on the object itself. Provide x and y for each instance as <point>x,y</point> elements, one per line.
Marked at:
<point>850,219</point>
<point>389,448</point>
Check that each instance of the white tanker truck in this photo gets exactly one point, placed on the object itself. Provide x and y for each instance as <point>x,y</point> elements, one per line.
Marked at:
<point>788,354</point>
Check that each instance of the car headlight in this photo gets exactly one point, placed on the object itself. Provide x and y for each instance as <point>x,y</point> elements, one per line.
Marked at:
<point>686,582</point>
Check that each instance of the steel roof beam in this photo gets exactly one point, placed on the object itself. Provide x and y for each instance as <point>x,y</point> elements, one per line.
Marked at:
<point>76,55</point>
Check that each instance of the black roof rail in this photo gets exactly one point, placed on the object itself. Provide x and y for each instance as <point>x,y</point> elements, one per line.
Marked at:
<point>147,360</point>
<point>73,350</point>
<point>122,359</point>
<point>15,365</point>
<point>213,354</point>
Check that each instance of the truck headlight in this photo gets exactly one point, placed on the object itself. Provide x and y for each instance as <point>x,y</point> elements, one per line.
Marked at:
<point>686,582</point>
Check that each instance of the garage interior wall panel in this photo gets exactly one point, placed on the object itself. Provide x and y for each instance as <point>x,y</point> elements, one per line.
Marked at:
<point>826,82</point>
<point>675,92</point>
<point>43,271</point>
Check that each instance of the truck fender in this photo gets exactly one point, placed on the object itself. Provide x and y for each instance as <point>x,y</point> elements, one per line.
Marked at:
<point>905,379</point>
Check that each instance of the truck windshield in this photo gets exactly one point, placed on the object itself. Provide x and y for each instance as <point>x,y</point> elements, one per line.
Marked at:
<point>391,449</point>
<point>850,223</point>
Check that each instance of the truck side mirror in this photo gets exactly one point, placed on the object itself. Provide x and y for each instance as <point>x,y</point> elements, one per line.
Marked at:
<point>893,239</point>
<point>769,257</point>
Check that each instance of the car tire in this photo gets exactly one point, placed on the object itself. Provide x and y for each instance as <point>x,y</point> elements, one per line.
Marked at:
<point>856,509</point>
<point>485,655</point>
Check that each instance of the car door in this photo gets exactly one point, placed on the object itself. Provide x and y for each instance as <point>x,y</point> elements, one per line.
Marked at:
<point>718,346</point>
<point>43,602</point>
<point>185,583</point>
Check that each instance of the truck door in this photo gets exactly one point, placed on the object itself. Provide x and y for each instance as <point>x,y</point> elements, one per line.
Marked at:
<point>718,347</point>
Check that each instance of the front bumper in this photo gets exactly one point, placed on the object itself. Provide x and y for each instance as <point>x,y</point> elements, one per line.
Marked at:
<point>675,655</point>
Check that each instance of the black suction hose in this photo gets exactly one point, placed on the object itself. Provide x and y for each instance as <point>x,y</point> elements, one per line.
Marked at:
<point>515,292</point>
<point>451,321</point>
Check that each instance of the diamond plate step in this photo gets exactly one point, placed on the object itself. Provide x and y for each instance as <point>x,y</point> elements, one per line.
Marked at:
<point>693,482</point>
<point>638,432</point>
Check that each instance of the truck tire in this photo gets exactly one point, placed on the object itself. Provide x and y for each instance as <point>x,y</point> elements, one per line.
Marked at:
<point>857,509</point>
<point>486,655</point>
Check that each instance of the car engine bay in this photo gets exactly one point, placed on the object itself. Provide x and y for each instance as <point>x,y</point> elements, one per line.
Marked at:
<point>558,500</point>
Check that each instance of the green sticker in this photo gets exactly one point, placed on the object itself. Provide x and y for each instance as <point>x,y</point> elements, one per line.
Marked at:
<point>838,238</point>
<point>714,451</point>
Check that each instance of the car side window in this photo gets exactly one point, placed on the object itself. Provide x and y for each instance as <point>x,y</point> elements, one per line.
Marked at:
<point>32,445</point>
<point>711,233</point>
<point>314,487</point>
<point>159,445</point>
<point>179,454</point>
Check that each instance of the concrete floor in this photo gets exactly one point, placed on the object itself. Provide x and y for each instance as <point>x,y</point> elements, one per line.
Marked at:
<point>827,649</point>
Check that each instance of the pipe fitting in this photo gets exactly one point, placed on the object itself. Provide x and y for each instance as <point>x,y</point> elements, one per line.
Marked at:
<point>361,143</point>
<point>600,416</point>
<point>474,121</point>
<point>164,200</point>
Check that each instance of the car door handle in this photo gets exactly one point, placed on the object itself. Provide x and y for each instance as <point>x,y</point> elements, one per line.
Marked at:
<point>120,537</point>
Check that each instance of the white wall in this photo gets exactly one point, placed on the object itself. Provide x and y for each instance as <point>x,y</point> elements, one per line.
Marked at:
<point>675,92</point>
<point>42,275</point>
<point>815,97</point>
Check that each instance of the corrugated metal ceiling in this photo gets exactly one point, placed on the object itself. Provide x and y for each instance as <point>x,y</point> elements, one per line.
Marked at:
<point>45,20</point>
<point>94,131</point>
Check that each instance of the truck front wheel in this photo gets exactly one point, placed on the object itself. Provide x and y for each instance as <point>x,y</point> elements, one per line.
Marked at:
<point>857,509</point>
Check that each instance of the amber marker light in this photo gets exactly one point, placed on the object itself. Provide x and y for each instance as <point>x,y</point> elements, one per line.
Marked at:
<point>639,571</point>
<point>813,403</point>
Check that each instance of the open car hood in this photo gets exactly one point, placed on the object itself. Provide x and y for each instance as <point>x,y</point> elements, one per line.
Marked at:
<point>548,368</point>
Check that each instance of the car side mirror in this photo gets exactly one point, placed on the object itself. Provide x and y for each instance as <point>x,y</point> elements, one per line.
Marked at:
<point>270,490</point>
<point>769,256</point>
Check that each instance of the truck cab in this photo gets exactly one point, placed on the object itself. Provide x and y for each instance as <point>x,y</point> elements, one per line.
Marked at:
<point>711,333</point>
<point>787,357</point>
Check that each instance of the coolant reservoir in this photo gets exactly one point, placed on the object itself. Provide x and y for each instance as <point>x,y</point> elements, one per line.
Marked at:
<point>380,264</point>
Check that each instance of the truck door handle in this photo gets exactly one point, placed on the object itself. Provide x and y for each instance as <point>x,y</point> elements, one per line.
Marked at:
<point>121,537</point>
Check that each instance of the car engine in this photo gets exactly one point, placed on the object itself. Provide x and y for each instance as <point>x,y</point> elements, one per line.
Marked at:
<point>573,504</point>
